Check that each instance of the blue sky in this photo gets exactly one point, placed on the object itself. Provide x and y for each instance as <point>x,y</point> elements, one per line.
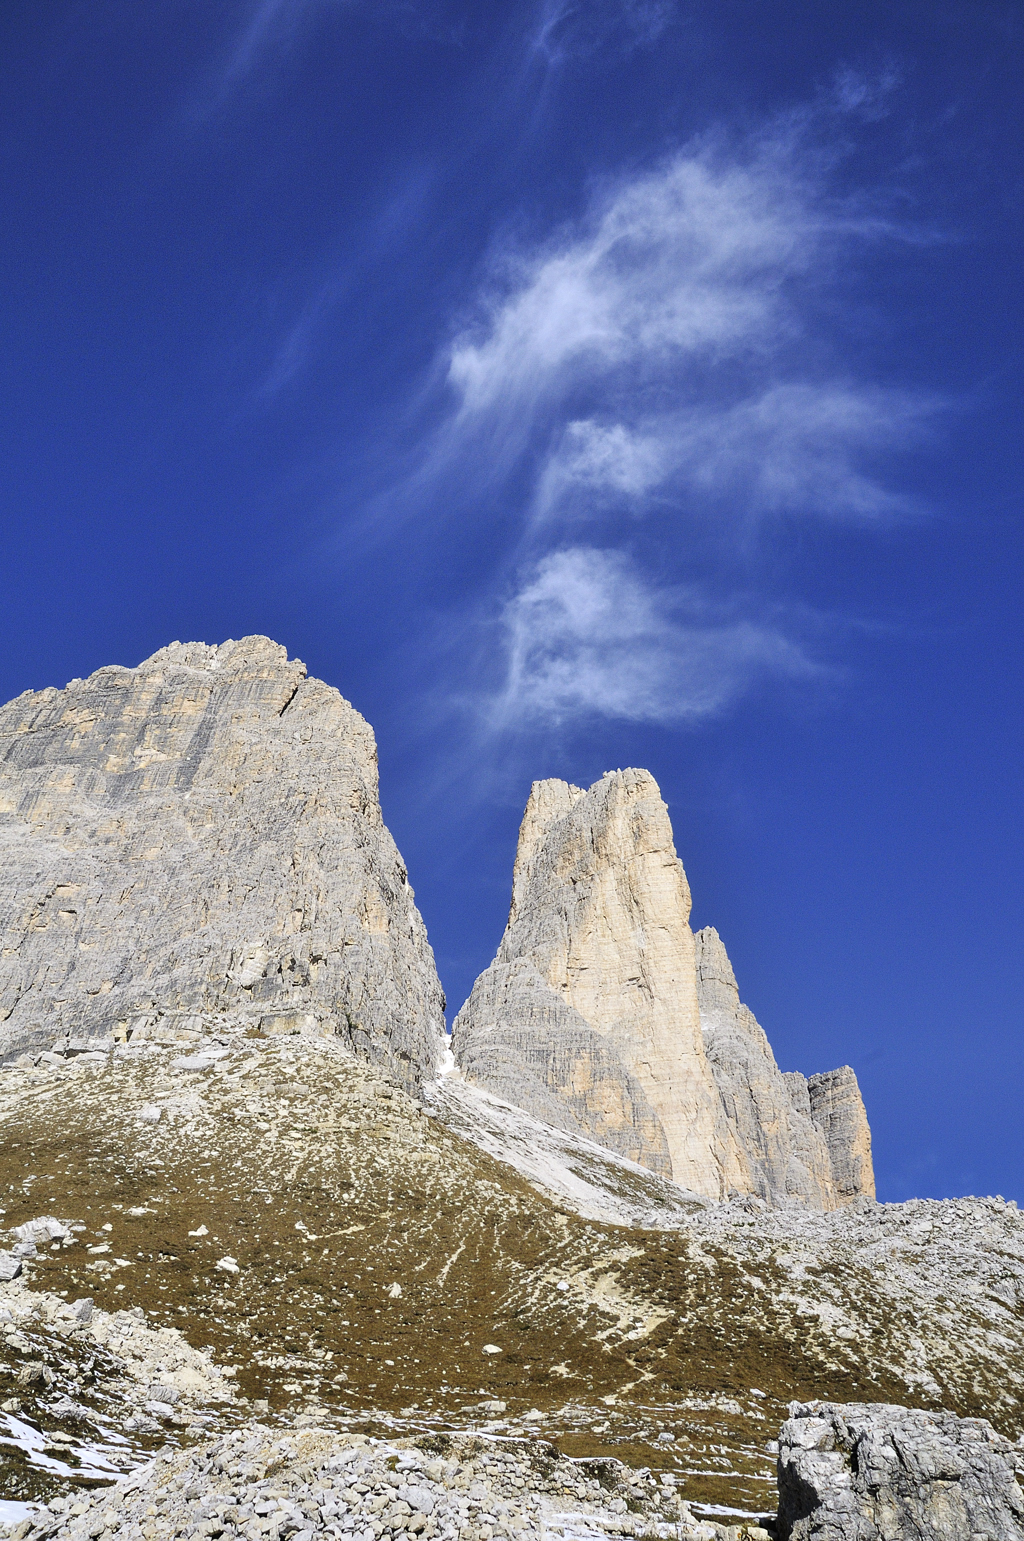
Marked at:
<point>573,386</point>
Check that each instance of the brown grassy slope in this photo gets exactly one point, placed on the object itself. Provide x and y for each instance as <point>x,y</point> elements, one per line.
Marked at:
<point>377,1256</point>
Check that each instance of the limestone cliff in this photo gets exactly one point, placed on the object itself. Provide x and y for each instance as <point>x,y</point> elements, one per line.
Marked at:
<point>588,1015</point>
<point>603,1015</point>
<point>838,1109</point>
<point>807,1141</point>
<point>201,837</point>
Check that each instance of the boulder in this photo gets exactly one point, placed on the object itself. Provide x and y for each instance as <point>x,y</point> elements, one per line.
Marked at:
<point>875,1472</point>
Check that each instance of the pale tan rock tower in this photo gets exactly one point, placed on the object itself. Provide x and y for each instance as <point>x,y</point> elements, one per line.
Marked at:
<point>600,1014</point>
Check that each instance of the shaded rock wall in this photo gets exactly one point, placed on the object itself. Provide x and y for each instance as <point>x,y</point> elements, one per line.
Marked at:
<point>807,1140</point>
<point>837,1107</point>
<point>202,836</point>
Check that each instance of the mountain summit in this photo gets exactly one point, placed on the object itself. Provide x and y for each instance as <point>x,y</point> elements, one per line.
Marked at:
<point>199,842</point>
<point>243,1198</point>
<point>599,1014</point>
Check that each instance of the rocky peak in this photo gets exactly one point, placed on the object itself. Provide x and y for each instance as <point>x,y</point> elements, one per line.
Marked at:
<point>549,801</point>
<point>807,1141</point>
<point>837,1107</point>
<point>715,978</point>
<point>198,842</point>
<point>593,990</point>
<point>603,1015</point>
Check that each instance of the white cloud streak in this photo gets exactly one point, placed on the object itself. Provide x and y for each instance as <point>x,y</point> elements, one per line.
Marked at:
<point>684,264</point>
<point>589,636</point>
<point>792,449</point>
<point>667,355</point>
<point>566,29</point>
<point>269,21</point>
<point>265,29</point>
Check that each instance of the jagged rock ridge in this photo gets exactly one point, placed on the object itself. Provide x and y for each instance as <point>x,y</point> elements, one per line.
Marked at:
<point>806,1139</point>
<point>600,1014</point>
<point>200,838</point>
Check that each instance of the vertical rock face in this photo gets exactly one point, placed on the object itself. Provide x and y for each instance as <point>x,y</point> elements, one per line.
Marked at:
<point>591,1001</point>
<point>786,1151</point>
<point>603,1015</point>
<point>864,1470</point>
<point>201,837</point>
<point>838,1109</point>
<point>807,1141</point>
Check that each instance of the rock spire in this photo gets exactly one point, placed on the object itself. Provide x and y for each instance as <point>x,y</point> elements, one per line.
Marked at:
<point>588,1016</point>
<point>806,1139</point>
<point>603,1015</point>
<point>200,838</point>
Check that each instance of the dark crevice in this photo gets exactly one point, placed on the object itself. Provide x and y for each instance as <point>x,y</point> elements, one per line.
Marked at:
<point>289,701</point>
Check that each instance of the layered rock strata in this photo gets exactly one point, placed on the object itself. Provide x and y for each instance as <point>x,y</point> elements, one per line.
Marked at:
<point>864,1472</point>
<point>806,1140</point>
<point>837,1107</point>
<point>603,1015</point>
<point>200,839</point>
<point>588,1016</point>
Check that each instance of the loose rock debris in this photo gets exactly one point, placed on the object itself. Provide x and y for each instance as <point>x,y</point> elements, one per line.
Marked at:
<point>255,1484</point>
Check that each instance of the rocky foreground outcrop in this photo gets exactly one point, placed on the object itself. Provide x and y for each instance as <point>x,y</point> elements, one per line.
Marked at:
<point>601,1015</point>
<point>199,842</point>
<point>316,1482</point>
<point>872,1472</point>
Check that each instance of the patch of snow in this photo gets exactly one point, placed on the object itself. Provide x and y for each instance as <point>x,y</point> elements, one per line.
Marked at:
<point>447,1066</point>
<point>95,1460</point>
<point>12,1513</point>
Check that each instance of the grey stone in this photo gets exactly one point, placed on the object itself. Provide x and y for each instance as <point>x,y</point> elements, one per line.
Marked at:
<point>519,1488</point>
<point>199,840</point>
<point>10,1267</point>
<point>44,1228</point>
<point>875,1472</point>
<point>838,1109</point>
<point>807,1141</point>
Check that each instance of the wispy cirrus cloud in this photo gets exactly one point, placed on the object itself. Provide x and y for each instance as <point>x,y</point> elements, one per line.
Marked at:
<point>589,635</point>
<point>673,356</point>
<point>260,35</point>
<point>266,30</point>
<point>269,23</point>
<point>792,449</point>
<point>565,29</point>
